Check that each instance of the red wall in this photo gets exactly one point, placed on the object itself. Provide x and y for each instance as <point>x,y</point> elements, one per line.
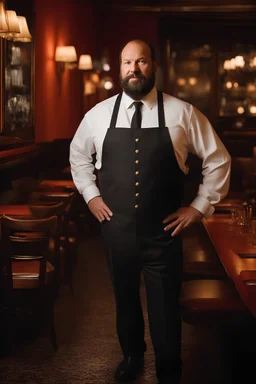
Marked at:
<point>127,26</point>
<point>58,100</point>
<point>59,104</point>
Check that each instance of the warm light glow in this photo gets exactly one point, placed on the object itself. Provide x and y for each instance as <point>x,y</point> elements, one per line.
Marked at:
<point>3,22</point>
<point>253,62</point>
<point>228,84</point>
<point>85,62</point>
<point>65,54</point>
<point>235,85</point>
<point>181,81</point>
<point>240,110</point>
<point>252,109</point>
<point>229,64</point>
<point>95,78</point>
<point>250,87</point>
<point>239,61</point>
<point>13,25</point>
<point>192,81</point>
<point>89,88</point>
<point>106,67</point>
<point>107,83</point>
<point>24,36</point>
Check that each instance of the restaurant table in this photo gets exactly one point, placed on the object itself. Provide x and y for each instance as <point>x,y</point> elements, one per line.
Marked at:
<point>57,184</point>
<point>237,254</point>
<point>15,209</point>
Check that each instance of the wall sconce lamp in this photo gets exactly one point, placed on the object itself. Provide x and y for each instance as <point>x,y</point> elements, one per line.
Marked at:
<point>12,23</point>
<point>94,78</point>
<point>66,57</point>
<point>85,65</point>
<point>13,27</point>
<point>24,36</point>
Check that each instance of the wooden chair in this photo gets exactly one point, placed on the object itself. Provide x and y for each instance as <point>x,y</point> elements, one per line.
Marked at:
<point>65,245</point>
<point>27,276</point>
<point>58,248</point>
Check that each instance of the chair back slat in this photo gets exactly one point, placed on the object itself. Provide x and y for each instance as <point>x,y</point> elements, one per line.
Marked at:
<point>25,240</point>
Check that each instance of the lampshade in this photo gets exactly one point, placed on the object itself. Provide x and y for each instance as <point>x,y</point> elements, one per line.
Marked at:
<point>85,62</point>
<point>24,36</point>
<point>3,22</point>
<point>65,54</point>
<point>12,24</point>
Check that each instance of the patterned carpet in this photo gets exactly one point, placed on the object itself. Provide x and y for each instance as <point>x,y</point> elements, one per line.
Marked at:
<point>88,348</point>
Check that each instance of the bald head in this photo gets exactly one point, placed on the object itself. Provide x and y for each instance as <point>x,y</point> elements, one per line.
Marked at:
<point>137,69</point>
<point>144,43</point>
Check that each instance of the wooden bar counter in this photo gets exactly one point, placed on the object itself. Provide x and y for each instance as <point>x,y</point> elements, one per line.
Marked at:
<point>230,243</point>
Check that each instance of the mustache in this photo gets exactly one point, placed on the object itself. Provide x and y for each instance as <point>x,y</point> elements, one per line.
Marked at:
<point>136,75</point>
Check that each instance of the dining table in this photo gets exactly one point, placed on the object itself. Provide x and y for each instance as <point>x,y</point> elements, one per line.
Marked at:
<point>236,251</point>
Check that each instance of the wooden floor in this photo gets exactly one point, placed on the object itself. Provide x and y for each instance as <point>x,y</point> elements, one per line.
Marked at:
<point>88,348</point>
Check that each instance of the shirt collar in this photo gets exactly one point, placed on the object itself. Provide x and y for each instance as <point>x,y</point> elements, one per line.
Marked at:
<point>149,100</point>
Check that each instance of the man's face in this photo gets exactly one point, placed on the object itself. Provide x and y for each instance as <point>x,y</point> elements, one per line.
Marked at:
<point>137,71</point>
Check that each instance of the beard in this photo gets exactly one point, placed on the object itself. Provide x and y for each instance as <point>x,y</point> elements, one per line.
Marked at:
<point>139,88</point>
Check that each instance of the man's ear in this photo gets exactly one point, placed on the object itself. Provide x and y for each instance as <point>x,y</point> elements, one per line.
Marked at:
<point>155,66</point>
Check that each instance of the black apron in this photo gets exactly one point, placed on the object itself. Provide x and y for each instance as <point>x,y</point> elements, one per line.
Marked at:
<point>141,183</point>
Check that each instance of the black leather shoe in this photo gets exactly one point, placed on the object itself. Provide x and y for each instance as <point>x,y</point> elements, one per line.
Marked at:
<point>129,368</point>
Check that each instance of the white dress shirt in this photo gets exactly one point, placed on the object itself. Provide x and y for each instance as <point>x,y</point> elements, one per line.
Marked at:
<point>189,129</point>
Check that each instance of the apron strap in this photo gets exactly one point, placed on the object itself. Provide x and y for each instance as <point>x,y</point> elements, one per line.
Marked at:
<point>161,119</point>
<point>115,111</point>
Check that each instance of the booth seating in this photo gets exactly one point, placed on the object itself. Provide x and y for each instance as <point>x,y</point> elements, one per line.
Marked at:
<point>200,260</point>
<point>27,275</point>
<point>212,302</point>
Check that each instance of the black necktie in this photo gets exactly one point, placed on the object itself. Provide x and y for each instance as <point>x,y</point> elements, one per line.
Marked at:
<point>136,119</point>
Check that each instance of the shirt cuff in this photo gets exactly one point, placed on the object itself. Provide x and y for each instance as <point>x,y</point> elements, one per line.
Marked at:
<point>90,193</point>
<point>203,206</point>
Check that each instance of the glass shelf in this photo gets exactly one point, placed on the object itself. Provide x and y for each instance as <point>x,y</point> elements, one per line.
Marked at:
<point>190,74</point>
<point>18,90</point>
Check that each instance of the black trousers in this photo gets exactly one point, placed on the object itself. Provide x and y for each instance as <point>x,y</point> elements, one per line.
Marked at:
<point>160,260</point>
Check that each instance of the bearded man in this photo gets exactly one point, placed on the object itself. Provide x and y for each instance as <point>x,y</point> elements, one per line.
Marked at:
<point>142,138</point>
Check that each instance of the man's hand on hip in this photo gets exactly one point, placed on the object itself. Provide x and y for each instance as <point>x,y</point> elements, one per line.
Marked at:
<point>99,209</point>
<point>182,218</point>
